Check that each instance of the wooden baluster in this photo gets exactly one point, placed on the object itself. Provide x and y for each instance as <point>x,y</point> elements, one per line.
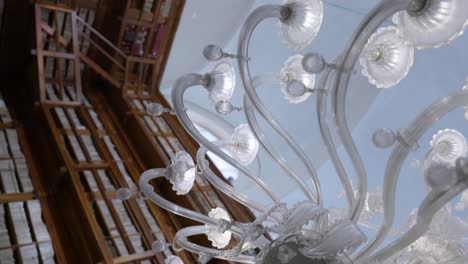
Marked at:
<point>40,56</point>
<point>76,51</point>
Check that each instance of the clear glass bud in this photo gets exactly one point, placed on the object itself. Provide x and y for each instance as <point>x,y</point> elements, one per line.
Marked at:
<point>213,53</point>
<point>386,59</point>
<point>313,63</point>
<point>224,107</point>
<point>440,176</point>
<point>158,246</point>
<point>296,89</point>
<point>384,138</point>
<point>302,23</point>
<point>124,194</point>
<point>155,109</point>
<point>203,258</point>
<point>244,145</point>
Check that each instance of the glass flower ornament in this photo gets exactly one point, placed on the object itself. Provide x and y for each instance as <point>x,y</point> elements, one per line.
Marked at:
<point>183,173</point>
<point>302,23</point>
<point>244,146</point>
<point>432,23</point>
<point>448,146</point>
<point>218,239</point>
<point>296,83</point>
<point>386,59</point>
<point>222,82</point>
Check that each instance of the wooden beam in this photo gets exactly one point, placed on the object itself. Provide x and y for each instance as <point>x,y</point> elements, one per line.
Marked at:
<point>56,54</point>
<point>51,31</point>
<point>100,70</point>
<point>39,52</point>
<point>134,257</point>
<point>16,197</point>
<point>55,7</point>
<point>76,51</point>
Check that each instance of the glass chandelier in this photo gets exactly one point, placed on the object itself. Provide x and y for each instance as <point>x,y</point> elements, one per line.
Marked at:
<point>307,232</point>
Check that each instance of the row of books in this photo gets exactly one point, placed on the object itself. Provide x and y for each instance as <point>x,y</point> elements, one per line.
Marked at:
<point>13,165</point>
<point>106,177</point>
<point>21,226</point>
<point>29,234</point>
<point>6,254</point>
<point>5,116</point>
<point>135,37</point>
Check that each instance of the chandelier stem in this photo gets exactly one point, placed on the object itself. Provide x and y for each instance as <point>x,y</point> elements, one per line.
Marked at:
<point>181,85</point>
<point>373,20</point>
<point>327,139</point>
<point>412,134</point>
<point>149,192</point>
<point>258,15</point>
<point>262,138</point>
<point>225,188</point>
<point>230,254</point>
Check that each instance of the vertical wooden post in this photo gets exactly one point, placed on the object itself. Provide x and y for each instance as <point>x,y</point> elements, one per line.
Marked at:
<point>40,56</point>
<point>126,73</point>
<point>140,77</point>
<point>76,51</point>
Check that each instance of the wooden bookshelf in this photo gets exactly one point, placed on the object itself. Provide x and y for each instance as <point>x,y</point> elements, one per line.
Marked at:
<point>98,164</point>
<point>27,230</point>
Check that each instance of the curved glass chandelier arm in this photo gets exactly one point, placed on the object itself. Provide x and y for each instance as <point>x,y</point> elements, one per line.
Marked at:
<point>419,126</point>
<point>231,254</point>
<point>181,85</point>
<point>327,139</point>
<point>429,207</point>
<point>373,20</point>
<point>252,21</point>
<point>149,192</point>
<point>223,186</point>
<point>277,157</point>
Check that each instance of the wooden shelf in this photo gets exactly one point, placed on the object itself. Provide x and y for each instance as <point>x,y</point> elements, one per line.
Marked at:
<point>24,210</point>
<point>99,164</point>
